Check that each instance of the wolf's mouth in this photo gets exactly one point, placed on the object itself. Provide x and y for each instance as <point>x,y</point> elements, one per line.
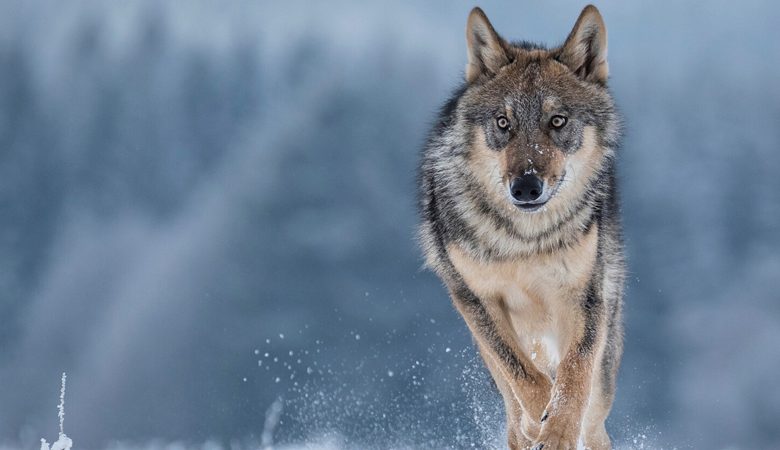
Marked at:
<point>545,198</point>
<point>529,207</point>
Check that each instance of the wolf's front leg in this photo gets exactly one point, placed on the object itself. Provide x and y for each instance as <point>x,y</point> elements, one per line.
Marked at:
<point>512,369</point>
<point>562,419</point>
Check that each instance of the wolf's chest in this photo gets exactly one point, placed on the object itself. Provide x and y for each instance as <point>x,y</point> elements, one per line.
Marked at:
<point>537,295</point>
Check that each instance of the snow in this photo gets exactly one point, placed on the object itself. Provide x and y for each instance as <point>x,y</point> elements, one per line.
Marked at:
<point>484,415</point>
<point>272,416</point>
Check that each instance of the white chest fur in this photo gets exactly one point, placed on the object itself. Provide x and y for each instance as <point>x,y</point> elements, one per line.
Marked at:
<point>537,295</point>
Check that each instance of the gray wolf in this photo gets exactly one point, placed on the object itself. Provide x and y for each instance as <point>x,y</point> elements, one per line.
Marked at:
<point>520,220</point>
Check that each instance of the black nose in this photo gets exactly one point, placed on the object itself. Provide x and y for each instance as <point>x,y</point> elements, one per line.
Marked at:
<point>526,188</point>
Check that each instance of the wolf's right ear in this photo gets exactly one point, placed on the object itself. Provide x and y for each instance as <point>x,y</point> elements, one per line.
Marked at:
<point>487,51</point>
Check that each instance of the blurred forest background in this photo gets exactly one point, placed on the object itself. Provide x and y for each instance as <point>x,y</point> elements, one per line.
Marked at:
<point>208,215</point>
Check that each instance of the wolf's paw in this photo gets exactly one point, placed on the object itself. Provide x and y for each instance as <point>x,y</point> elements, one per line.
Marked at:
<point>556,438</point>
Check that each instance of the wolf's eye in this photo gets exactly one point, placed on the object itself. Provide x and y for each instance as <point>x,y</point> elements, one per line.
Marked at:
<point>558,121</point>
<point>503,123</point>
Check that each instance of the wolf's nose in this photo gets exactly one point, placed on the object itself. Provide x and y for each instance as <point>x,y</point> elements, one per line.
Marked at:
<point>526,188</point>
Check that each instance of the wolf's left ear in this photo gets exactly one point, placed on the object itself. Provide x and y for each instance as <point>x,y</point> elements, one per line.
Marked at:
<point>487,51</point>
<point>585,50</point>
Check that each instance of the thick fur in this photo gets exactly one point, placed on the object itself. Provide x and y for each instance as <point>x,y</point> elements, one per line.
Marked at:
<point>541,291</point>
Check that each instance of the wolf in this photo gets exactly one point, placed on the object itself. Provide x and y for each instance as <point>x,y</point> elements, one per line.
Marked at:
<point>520,219</point>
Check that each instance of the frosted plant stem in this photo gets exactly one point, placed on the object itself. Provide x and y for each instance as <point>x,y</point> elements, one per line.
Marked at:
<point>61,406</point>
<point>63,442</point>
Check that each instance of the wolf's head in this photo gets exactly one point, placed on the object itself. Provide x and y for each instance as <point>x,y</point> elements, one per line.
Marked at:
<point>540,122</point>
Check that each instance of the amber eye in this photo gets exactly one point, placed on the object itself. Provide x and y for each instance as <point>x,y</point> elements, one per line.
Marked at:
<point>558,121</point>
<point>503,123</point>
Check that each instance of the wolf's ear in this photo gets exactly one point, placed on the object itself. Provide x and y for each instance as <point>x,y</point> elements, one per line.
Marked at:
<point>487,51</point>
<point>585,50</point>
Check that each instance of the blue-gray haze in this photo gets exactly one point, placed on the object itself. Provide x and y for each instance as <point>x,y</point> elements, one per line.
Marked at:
<point>210,206</point>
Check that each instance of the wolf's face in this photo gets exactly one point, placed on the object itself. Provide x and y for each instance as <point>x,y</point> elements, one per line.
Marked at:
<point>537,119</point>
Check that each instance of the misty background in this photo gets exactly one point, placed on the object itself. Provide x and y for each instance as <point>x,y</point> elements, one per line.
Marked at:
<point>208,214</point>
